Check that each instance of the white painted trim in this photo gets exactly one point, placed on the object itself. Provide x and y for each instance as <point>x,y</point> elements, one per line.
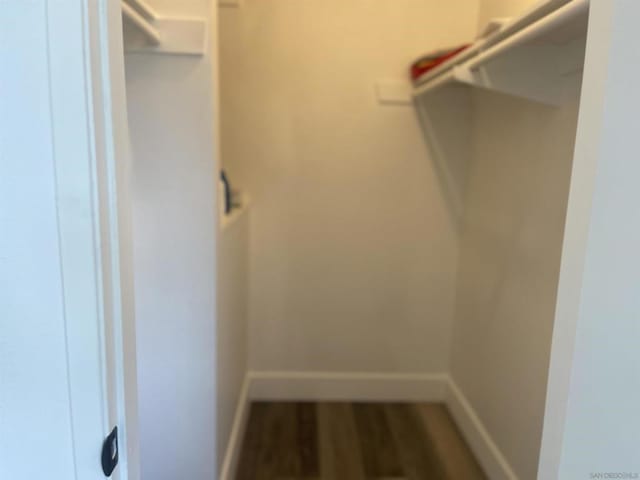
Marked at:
<point>112,148</point>
<point>485,449</point>
<point>83,75</point>
<point>232,452</point>
<point>348,386</point>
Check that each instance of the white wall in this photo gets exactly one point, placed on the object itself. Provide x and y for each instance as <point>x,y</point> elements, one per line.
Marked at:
<point>233,304</point>
<point>511,240</point>
<point>172,128</point>
<point>592,427</point>
<point>353,249</point>
<point>509,262</point>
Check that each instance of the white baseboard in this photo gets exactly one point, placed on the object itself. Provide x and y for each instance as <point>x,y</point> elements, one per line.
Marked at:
<point>232,453</point>
<point>328,386</point>
<point>485,449</point>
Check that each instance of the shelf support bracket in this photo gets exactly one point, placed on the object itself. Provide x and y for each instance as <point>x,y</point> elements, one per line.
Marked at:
<point>145,31</point>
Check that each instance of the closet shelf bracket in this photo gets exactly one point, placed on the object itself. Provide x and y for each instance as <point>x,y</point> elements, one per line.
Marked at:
<point>145,31</point>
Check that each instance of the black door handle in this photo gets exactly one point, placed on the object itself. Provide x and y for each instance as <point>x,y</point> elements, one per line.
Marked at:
<point>110,453</point>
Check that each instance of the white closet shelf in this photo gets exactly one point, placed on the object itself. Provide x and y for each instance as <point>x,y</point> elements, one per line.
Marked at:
<point>147,32</point>
<point>528,58</point>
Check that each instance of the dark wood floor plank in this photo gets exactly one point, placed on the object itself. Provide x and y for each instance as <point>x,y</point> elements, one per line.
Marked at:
<point>456,456</point>
<point>280,443</point>
<point>379,453</point>
<point>417,453</point>
<point>284,436</point>
<point>336,441</point>
<point>249,461</point>
<point>307,440</point>
<point>276,439</point>
<point>340,456</point>
<point>294,439</point>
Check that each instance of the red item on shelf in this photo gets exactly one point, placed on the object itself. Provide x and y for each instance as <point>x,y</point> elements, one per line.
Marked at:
<point>431,61</point>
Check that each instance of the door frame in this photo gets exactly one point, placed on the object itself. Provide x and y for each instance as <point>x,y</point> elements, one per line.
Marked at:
<point>591,419</point>
<point>114,210</point>
<point>88,109</point>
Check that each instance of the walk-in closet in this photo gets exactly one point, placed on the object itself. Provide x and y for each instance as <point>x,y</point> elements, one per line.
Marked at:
<point>384,245</point>
<point>319,239</point>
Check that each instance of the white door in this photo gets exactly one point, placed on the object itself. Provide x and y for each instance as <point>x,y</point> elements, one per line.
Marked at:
<point>65,310</point>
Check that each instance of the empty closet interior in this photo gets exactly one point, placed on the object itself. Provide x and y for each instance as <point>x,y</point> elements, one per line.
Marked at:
<point>386,241</point>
